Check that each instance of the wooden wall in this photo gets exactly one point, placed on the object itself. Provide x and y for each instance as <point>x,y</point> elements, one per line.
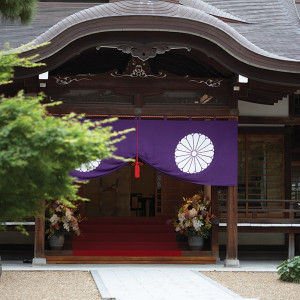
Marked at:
<point>172,192</point>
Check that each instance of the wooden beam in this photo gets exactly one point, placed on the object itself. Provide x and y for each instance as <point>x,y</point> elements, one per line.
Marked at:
<point>232,236</point>
<point>97,109</point>
<point>270,120</point>
<point>212,86</point>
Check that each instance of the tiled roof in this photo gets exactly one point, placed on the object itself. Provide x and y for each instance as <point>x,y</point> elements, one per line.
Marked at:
<point>47,15</point>
<point>275,25</point>
<point>268,28</point>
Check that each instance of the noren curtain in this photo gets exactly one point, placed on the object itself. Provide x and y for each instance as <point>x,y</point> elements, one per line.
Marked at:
<point>202,152</point>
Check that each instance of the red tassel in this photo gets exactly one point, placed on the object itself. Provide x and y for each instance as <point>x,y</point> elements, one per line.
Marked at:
<point>137,165</point>
<point>137,170</point>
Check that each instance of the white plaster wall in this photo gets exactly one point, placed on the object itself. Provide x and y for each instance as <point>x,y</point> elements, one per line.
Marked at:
<point>280,109</point>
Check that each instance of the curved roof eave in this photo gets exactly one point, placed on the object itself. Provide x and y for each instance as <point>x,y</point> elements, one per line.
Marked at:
<point>158,16</point>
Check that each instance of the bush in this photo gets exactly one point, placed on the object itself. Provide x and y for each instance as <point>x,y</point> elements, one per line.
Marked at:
<point>289,270</point>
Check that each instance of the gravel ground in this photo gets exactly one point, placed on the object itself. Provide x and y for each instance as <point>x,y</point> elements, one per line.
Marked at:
<point>52,285</point>
<point>260,285</point>
<point>47,285</point>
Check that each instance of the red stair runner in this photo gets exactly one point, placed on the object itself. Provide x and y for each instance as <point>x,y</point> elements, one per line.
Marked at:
<point>125,237</point>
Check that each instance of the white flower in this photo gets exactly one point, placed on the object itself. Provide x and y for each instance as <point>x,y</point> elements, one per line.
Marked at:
<point>197,224</point>
<point>202,207</point>
<point>177,229</point>
<point>68,214</point>
<point>66,226</point>
<point>181,217</point>
<point>54,219</point>
<point>75,228</point>
<point>193,212</point>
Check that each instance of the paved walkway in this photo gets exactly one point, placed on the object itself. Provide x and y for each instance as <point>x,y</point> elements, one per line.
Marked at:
<point>155,282</point>
<point>159,284</point>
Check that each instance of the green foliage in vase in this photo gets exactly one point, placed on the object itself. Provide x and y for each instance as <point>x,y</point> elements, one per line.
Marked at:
<point>289,270</point>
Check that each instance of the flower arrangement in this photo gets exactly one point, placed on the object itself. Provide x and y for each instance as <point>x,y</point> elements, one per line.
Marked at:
<point>62,219</point>
<point>194,218</point>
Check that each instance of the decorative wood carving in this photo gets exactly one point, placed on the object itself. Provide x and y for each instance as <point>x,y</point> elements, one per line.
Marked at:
<point>210,82</point>
<point>67,80</point>
<point>143,51</point>
<point>138,68</point>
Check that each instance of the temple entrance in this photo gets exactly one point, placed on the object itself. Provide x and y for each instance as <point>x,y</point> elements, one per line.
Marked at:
<point>127,219</point>
<point>119,194</point>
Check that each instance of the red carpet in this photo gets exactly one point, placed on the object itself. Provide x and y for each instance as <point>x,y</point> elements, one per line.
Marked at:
<point>125,237</point>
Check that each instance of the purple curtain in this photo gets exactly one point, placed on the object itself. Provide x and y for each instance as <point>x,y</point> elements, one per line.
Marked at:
<point>202,152</point>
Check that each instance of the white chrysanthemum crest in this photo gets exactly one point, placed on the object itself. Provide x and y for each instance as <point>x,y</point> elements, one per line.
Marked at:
<point>194,153</point>
<point>90,166</point>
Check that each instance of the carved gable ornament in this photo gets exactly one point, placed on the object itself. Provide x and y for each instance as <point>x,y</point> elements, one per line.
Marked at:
<point>138,68</point>
<point>143,51</point>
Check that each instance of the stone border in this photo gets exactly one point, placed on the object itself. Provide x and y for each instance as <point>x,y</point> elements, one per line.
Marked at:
<point>101,287</point>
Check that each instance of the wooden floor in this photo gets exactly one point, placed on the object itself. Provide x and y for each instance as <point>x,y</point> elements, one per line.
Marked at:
<point>188,257</point>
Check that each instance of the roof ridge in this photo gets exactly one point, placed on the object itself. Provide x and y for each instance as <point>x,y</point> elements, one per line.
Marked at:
<point>211,10</point>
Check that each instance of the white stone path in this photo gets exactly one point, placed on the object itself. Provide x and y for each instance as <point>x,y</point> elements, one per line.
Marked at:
<point>159,284</point>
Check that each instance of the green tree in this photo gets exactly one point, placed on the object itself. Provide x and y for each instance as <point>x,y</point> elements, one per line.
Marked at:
<point>18,10</point>
<point>37,151</point>
<point>9,59</point>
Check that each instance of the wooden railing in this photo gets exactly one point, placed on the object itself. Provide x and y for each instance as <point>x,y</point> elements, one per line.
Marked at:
<point>265,211</point>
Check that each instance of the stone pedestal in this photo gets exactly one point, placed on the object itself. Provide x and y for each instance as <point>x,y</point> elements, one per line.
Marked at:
<point>232,263</point>
<point>37,261</point>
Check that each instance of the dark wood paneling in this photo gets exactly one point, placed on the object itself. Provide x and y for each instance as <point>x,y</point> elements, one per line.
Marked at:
<point>173,190</point>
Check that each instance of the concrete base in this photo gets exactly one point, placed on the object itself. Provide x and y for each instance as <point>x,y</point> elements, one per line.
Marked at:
<point>39,261</point>
<point>232,263</point>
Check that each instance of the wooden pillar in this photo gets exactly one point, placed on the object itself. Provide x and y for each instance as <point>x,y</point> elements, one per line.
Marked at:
<point>231,233</point>
<point>288,187</point>
<point>215,227</point>
<point>207,192</point>
<point>39,239</point>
